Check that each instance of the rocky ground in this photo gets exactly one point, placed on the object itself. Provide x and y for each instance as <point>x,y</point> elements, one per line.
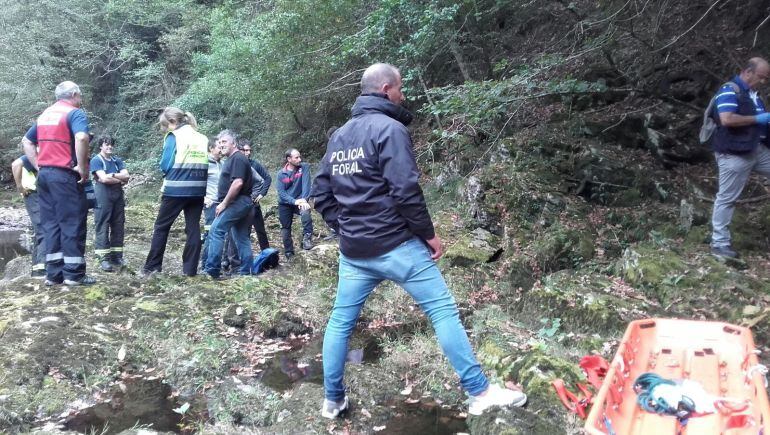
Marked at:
<point>551,249</point>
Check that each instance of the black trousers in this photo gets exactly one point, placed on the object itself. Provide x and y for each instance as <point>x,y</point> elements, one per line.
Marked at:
<point>286,214</point>
<point>170,207</point>
<point>110,220</point>
<point>63,214</point>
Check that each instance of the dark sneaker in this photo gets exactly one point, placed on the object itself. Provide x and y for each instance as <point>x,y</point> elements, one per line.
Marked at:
<point>119,262</point>
<point>289,256</point>
<point>331,236</point>
<point>723,251</point>
<point>332,409</point>
<point>86,280</point>
<point>496,396</point>
<point>50,283</point>
<point>307,242</point>
<point>106,266</point>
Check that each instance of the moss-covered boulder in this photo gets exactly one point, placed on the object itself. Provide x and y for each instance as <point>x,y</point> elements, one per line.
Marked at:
<point>584,303</point>
<point>478,246</point>
<point>563,248</point>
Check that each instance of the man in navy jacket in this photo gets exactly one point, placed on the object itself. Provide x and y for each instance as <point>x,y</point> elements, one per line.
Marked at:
<point>293,186</point>
<point>368,189</point>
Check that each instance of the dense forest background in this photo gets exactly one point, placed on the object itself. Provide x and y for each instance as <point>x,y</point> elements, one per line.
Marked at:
<point>282,72</point>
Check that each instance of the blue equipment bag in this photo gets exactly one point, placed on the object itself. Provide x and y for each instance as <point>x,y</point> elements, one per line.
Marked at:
<point>267,259</point>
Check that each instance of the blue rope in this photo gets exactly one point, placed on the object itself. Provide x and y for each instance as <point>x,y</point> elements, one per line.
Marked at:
<point>644,386</point>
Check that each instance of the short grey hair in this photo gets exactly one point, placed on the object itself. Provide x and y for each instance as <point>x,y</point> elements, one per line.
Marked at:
<point>233,135</point>
<point>377,75</point>
<point>66,90</point>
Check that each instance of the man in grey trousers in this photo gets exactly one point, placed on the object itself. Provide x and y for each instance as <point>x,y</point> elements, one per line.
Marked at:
<point>740,145</point>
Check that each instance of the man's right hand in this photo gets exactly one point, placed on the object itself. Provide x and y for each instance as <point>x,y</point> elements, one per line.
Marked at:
<point>437,250</point>
<point>83,172</point>
<point>763,118</point>
<point>302,204</point>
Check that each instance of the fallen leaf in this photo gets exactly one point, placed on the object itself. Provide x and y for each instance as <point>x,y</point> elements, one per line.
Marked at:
<point>378,428</point>
<point>182,409</point>
<point>406,391</point>
<point>122,353</point>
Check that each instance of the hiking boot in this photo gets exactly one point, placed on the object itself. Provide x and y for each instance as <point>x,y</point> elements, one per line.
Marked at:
<point>332,409</point>
<point>724,251</point>
<point>106,266</point>
<point>85,280</point>
<point>119,262</point>
<point>496,396</point>
<point>307,242</point>
<point>49,283</point>
<point>289,256</point>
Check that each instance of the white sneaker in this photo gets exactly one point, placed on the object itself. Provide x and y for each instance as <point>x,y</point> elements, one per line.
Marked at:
<point>332,409</point>
<point>496,396</point>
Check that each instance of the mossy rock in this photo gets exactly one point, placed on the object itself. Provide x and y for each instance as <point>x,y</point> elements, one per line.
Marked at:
<point>536,370</point>
<point>580,302</point>
<point>646,264</point>
<point>563,248</point>
<point>477,247</point>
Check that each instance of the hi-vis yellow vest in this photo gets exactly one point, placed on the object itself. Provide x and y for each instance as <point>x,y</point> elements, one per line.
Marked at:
<point>187,176</point>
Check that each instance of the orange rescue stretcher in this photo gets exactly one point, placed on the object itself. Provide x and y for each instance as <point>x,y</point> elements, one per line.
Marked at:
<point>719,356</point>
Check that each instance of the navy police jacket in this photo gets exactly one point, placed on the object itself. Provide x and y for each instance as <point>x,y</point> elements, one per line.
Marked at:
<point>367,187</point>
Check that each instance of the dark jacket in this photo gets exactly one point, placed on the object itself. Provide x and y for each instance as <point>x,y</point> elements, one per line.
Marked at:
<point>738,140</point>
<point>262,188</point>
<point>367,186</point>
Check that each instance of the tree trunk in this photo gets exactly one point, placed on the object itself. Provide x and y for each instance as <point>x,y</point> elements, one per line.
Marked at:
<point>455,49</point>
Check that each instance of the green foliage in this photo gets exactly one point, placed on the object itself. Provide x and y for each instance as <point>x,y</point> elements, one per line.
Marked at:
<point>486,105</point>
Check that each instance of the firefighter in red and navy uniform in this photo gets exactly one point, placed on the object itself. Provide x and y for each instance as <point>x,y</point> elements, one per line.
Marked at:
<point>57,144</point>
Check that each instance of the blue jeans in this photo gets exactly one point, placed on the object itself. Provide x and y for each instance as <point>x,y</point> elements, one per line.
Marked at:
<point>410,266</point>
<point>235,217</point>
<point>209,213</point>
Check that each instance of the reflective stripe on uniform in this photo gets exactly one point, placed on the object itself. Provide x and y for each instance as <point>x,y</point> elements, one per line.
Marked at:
<point>183,165</point>
<point>101,251</point>
<point>74,260</point>
<point>116,249</point>
<point>54,257</point>
<point>39,266</point>
<point>170,183</point>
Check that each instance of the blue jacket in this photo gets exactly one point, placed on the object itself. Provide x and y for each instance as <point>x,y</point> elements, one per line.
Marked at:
<point>293,185</point>
<point>367,186</point>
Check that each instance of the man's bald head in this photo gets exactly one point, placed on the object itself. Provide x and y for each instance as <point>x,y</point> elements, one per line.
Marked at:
<point>754,63</point>
<point>383,78</point>
<point>378,75</point>
<point>756,72</point>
